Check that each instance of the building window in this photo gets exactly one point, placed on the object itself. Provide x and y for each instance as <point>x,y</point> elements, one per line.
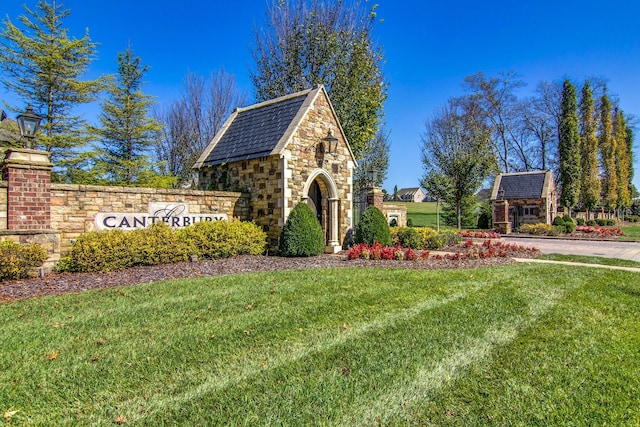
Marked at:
<point>530,211</point>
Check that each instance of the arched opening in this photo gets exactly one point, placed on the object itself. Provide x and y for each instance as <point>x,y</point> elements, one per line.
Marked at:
<point>321,194</point>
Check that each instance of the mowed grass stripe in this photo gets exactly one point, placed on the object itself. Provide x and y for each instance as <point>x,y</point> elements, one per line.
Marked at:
<point>429,379</point>
<point>288,354</point>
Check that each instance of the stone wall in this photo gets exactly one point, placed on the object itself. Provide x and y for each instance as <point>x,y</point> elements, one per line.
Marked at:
<point>74,207</point>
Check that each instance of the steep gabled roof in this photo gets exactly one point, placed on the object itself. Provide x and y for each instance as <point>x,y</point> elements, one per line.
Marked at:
<point>522,185</point>
<point>408,191</point>
<point>259,130</point>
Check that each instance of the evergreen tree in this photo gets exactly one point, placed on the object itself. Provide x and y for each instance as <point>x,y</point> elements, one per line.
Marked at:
<point>590,181</point>
<point>42,65</point>
<point>607,144</point>
<point>623,162</point>
<point>568,147</point>
<point>127,133</point>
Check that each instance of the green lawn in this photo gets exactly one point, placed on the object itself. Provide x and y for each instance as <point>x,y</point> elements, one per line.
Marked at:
<point>422,214</point>
<point>523,345</point>
<point>591,260</point>
<point>631,232</point>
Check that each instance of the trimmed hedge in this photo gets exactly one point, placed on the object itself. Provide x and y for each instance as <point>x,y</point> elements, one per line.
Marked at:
<point>16,260</point>
<point>373,227</point>
<point>302,234</point>
<point>159,244</point>
<point>423,238</point>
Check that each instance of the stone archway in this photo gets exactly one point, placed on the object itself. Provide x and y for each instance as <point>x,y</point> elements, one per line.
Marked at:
<point>321,194</point>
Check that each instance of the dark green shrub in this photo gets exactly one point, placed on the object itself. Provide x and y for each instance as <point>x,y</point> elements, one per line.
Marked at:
<point>601,222</point>
<point>302,233</point>
<point>611,222</point>
<point>393,223</point>
<point>592,223</point>
<point>408,238</point>
<point>485,219</point>
<point>373,228</point>
<point>580,221</point>
<point>16,260</point>
<point>558,221</point>
<point>223,239</point>
<point>567,218</point>
<point>569,226</point>
<point>409,222</point>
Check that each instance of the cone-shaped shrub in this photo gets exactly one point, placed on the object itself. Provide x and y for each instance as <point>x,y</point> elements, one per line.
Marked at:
<point>302,233</point>
<point>373,228</point>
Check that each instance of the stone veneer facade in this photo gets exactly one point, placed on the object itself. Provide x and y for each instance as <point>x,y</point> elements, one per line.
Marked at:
<point>278,182</point>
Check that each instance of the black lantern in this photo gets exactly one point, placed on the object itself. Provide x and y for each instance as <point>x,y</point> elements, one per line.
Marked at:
<point>372,175</point>
<point>501,193</point>
<point>29,122</point>
<point>329,143</point>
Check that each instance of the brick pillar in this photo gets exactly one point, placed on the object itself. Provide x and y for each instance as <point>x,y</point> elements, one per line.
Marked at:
<point>375,197</point>
<point>28,176</point>
<point>501,216</point>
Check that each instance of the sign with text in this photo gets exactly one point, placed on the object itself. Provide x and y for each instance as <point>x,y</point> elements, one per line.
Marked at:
<point>174,215</point>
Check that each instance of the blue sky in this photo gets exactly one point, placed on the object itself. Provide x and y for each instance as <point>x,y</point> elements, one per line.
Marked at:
<point>430,46</point>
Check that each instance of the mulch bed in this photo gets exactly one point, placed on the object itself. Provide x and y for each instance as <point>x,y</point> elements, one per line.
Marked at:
<point>56,284</point>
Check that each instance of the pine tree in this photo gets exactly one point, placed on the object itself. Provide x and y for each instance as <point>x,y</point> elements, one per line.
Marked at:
<point>42,65</point>
<point>127,133</point>
<point>568,147</point>
<point>623,162</point>
<point>607,146</point>
<point>590,181</point>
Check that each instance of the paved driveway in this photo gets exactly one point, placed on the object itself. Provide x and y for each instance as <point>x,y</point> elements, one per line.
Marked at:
<point>606,249</point>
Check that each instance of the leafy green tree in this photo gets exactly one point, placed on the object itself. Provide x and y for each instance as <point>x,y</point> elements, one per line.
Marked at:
<point>395,193</point>
<point>569,147</point>
<point>607,144</point>
<point>127,133</point>
<point>42,65</point>
<point>376,157</point>
<point>311,42</point>
<point>623,162</point>
<point>456,148</point>
<point>590,181</point>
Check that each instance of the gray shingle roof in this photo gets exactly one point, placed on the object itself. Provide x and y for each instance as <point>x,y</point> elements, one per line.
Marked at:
<point>255,132</point>
<point>523,186</point>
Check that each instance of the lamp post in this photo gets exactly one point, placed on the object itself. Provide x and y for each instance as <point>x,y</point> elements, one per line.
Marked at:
<point>29,123</point>
<point>372,176</point>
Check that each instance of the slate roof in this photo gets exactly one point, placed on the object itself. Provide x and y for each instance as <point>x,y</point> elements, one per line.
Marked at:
<point>255,132</point>
<point>526,185</point>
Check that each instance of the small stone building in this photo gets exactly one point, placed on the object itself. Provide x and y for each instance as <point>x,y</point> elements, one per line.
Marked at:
<point>285,151</point>
<point>523,198</point>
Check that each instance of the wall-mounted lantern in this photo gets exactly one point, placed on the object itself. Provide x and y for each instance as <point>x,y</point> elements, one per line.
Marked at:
<point>329,143</point>
<point>29,123</point>
<point>501,193</point>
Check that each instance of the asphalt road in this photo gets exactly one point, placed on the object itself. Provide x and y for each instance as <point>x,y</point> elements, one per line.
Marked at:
<point>606,249</point>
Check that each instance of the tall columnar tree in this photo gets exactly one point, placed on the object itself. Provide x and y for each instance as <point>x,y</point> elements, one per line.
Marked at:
<point>569,147</point>
<point>590,180</point>
<point>311,42</point>
<point>43,65</point>
<point>457,154</point>
<point>623,161</point>
<point>127,133</point>
<point>607,144</point>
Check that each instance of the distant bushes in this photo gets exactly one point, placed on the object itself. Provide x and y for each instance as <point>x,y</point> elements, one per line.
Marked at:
<point>16,260</point>
<point>423,238</point>
<point>159,244</point>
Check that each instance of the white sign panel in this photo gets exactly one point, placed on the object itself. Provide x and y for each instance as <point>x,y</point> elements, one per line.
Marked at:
<point>172,214</point>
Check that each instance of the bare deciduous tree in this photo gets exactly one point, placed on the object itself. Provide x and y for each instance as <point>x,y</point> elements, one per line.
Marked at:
<point>191,121</point>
